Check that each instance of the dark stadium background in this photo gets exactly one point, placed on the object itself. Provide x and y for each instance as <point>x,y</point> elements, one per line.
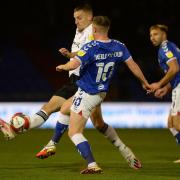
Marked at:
<point>31,32</point>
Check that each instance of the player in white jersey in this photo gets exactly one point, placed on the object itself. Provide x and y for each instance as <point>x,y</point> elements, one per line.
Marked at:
<point>97,60</point>
<point>169,61</point>
<point>83,19</point>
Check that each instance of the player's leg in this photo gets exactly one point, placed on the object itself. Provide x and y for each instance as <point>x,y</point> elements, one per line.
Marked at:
<point>61,127</point>
<point>35,120</point>
<point>176,122</point>
<point>174,116</point>
<point>41,116</point>
<point>52,106</point>
<point>176,126</point>
<point>66,92</point>
<point>76,126</point>
<point>81,108</point>
<point>105,129</point>
<point>62,123</point>
<point>110,133</point>
<point>173,129</point>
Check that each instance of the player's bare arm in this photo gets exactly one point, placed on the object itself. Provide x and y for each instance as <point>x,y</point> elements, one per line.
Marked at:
<point>65,52</point>
<point>71,65</point>
<point>138,73</point>
<point>172,71</point>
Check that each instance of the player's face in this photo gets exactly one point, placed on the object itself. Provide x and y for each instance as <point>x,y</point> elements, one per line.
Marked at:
<point>82,19</point>
<point>157,36</point>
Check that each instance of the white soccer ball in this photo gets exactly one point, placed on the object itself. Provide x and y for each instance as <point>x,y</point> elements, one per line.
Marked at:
<point>19,122</point>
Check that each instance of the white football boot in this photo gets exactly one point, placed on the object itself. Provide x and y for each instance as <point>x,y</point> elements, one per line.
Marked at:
<point>131,158</point>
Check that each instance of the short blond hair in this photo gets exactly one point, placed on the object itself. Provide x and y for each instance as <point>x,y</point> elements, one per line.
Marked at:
<point>162,27</point>
<point>102,21</point>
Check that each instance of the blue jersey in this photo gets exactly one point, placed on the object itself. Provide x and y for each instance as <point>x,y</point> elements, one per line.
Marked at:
<point>98,61</point>
<point>167,52</point>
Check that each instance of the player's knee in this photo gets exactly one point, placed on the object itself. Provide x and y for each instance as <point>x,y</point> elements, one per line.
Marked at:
<point>65,110</point>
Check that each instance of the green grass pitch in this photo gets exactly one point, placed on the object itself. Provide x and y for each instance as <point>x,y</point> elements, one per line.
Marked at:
<point>156,148</point>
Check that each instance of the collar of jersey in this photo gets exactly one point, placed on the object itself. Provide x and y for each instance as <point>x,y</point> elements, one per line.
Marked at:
<point>104,41</point>
<point>165,41</point>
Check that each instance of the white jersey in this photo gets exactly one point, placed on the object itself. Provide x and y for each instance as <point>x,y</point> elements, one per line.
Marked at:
<point>80,39</point>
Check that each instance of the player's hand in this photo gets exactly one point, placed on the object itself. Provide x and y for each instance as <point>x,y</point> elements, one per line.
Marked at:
<point>60,68</point>
<point>155,86</point>
<point>147,87</point>
<point>65,52</point>
<point>160,93</point>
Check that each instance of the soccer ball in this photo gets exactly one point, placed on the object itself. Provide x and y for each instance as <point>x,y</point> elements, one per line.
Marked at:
<point>19,122</point>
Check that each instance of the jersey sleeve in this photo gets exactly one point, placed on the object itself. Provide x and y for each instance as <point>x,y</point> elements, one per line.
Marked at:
<point>167,52</point>
<point>126,54</point>
<point>84,55</point>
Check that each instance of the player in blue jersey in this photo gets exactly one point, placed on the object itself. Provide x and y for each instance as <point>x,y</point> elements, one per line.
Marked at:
<point>98,60</point>
<point>169,61</point>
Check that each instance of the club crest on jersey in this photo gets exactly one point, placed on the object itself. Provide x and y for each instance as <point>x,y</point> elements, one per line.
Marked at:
<point>81,53</point>
<point>169,54</point>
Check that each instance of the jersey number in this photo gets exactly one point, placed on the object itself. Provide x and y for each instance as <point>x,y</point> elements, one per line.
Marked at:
<point>103,69</point>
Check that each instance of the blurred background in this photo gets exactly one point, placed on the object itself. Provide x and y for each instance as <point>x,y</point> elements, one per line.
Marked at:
<point>31,32</point>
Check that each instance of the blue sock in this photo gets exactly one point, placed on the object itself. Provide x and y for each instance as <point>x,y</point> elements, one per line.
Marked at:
<point>178,137</point>
<point>59,131</point>
<point>85,151</point>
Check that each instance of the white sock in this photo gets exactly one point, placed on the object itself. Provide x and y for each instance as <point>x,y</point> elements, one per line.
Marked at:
<point>114,138</point>
<point>92,164</point>
<point>173,131</point>
<point>78,138</point>
<point>63,119</point>
<point>38,119</point>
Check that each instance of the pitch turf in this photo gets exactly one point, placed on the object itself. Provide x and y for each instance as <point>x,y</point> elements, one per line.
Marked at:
<point>156,148</point>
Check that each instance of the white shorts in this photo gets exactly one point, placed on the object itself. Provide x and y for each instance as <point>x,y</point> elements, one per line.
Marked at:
<point>175,106</point>
<point>83,103</point>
